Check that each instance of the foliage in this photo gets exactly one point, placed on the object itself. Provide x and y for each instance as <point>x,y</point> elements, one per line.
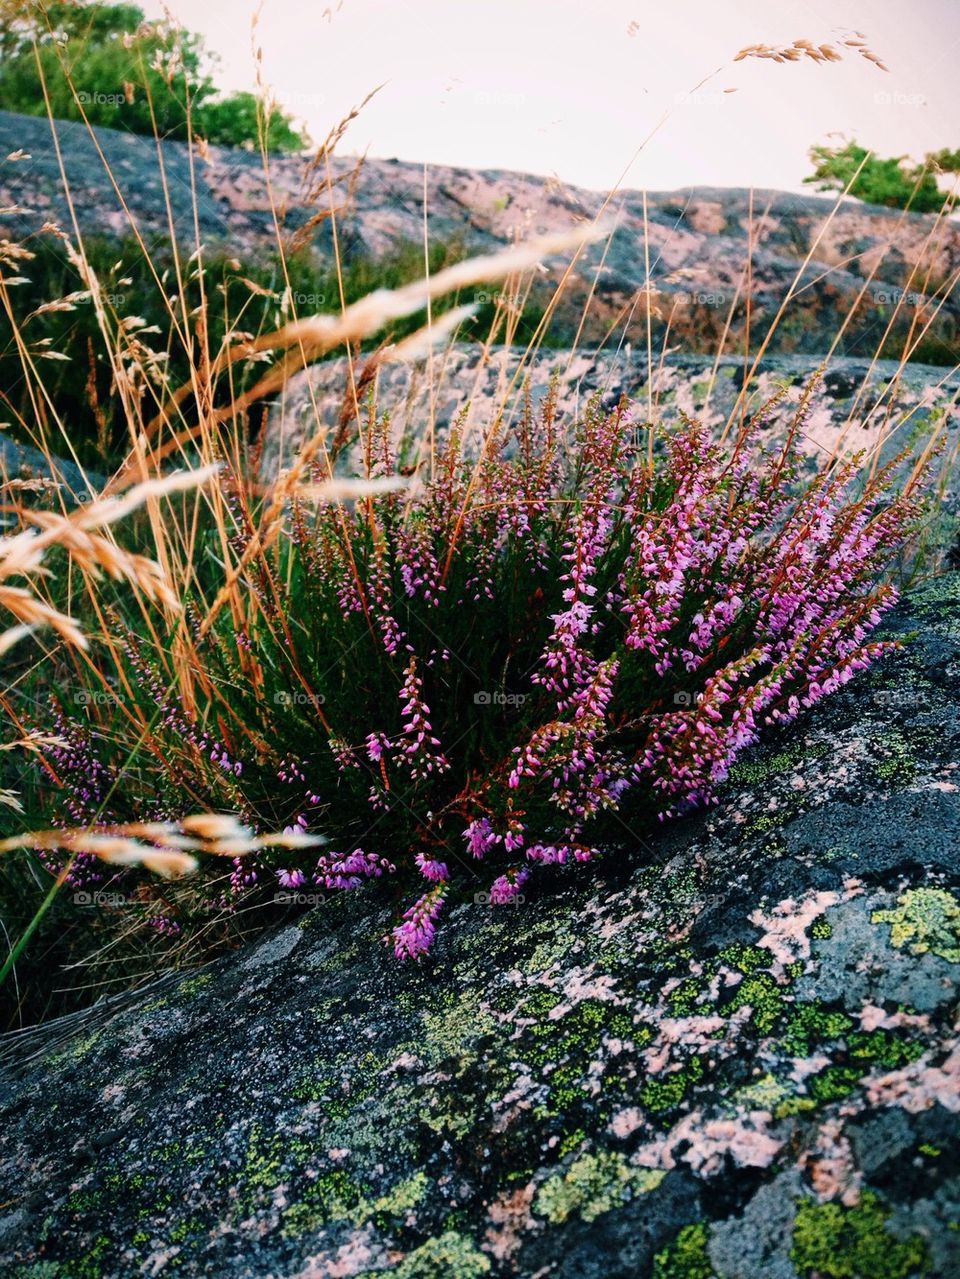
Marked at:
<point>51,311</point>
<point>898,182</point>
<point>853,1243</point>
<point>105,62</point>
<point>521,663</point>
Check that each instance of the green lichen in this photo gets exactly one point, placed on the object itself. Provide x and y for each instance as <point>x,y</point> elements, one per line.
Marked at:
<point>666,1092</point>
<point>766,1094</point>
<point>835,1242</point>
<point>193,985</point>
<point>683,999</point>
<point>744,958</point>
<point>884,1048</point>
<point>835,1083</point>
<point>593,1185</point>
<point>686,1257</point>
<point>450,1030</point>
<point>821,930</point>
<point>450,1254</point>
<point>898,763</point>
<point>404,1196</point>
<point>794,1106</point>
<point>763,996</point>
<point>810,1024</point>
<point>334,1196</point>
<point>925,920</point>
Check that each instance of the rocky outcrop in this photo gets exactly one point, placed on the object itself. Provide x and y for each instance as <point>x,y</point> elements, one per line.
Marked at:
<point>729,1050</point>
<point>722,261</point>
<point>857,404</point>
<point>25,468</point>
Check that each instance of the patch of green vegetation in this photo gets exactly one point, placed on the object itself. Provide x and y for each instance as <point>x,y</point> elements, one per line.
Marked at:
<point>836,1242</point>
<point>744,958</point>
<point>563,1047</point>
<point>91,1264</point>
<point>683,999</point>
<point>686,1257</point>
<point>450,1030</point>
<point>760,992</point>
<point>334,1196</point>
<point>766,1094</point>
<point>810,1024</point>
<point>834,1083</point>
<point>193,985</point>
<point>766,822</point>
<point>666,1092</point>
<point>898,763</point>
<point>794,1106</point>
<point>932,1152</point>
<point>895,181</point>
<point>451,1254</point>
<point>884,1048</point>
<point>821,930</point>
<point>78,1048</point>
<point>184,1229</point>
<point>593,1185</point>
<point>925,920</point>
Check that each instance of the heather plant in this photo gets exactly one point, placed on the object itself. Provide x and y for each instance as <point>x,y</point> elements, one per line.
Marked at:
<point>521,657</point>
<point>445,662</point>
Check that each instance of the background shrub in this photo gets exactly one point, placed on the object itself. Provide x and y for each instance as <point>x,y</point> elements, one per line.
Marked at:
<point>106,62</point>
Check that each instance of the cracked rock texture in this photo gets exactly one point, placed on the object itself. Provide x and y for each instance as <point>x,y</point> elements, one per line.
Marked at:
<point>730,1051</point>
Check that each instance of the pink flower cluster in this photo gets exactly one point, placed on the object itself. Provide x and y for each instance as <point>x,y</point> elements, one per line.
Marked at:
<point>549,629</point>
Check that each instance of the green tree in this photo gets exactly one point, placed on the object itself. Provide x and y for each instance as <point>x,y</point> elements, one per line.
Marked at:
<point>898,182</point>
<point>105,61</point>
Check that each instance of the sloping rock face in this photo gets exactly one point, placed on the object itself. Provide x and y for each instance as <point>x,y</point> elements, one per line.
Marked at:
<point>868,268</point>
<point>856,404</point>
<point>730,1050</point>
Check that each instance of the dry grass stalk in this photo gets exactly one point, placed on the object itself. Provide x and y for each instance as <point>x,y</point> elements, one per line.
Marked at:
<point>165,848</point>
<point>22,555</point>
<point>820,53</point>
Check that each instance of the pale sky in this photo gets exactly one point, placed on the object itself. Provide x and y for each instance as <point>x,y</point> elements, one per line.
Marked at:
<point>573,87</point>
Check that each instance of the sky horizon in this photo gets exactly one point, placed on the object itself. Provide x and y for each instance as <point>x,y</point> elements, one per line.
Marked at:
<point>628,93</point>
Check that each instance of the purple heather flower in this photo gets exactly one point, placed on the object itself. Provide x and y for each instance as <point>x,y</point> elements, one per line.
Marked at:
<point>414,937</point>
<point>506,888</point>
<point>432,869</point>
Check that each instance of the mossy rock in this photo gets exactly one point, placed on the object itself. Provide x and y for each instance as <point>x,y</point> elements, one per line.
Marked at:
<point>695,1060</point>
